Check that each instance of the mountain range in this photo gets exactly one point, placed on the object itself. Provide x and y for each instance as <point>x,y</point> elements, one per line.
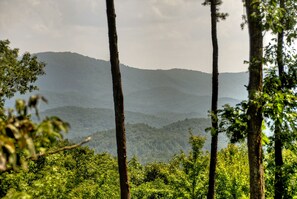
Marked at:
<point>75,80</point>
<point>79,90</point>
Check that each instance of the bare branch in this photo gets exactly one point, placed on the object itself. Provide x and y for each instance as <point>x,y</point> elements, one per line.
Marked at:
<point>61,149</point>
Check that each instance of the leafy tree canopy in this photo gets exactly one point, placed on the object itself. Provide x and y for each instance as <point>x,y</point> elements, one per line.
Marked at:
<point>22,139</point>
<point>17,73</point>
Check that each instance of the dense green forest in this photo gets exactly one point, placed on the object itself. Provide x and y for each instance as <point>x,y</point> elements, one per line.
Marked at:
<point>81,173</point>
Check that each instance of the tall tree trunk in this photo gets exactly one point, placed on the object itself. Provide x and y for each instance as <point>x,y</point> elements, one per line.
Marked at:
<point>278,176</point>
<point>214,101</point>
<point>254,112</point>
<point>278,145</point>
<point>118,100</point>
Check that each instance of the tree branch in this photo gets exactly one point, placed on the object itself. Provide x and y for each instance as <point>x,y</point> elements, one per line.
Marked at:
<point>61,149</point>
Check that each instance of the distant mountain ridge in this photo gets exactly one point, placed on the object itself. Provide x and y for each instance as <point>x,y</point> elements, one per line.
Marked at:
<point>155,144</point>
<point>86,82</point>
<point>86,121</point>
<point>158,103</point>
<point>75,80</point>
<point>134,79</point>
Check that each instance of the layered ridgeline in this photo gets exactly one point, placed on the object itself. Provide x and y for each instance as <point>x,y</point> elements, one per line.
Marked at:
<point>79,90</point>
<point>149,137</point>
<point>75,80</point>
<point>155,144</point>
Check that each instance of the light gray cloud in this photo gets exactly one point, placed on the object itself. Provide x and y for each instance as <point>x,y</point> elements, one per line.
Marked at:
<point>152,33</point>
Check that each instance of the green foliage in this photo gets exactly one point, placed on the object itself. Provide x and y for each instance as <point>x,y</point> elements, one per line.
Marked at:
<point>289,177</point>
<point>155,182</point>
<point>220,15</point>
<point>233,121</point>
<point>17,74</point>
<point>280,102</point>
<point>78,173</point>
<point>21,138</point>
<point>195,170</point>
<point>276,18</point>
<point>233,172</point>
<point>185,176</point>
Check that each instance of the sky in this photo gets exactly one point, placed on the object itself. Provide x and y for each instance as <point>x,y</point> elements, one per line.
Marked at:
<point>152,34</point>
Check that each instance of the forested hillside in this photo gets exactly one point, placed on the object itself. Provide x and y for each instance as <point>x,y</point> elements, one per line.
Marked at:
<point>150,144</point>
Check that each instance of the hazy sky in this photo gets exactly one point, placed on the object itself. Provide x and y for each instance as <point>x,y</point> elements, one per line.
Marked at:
<point>152,33</point>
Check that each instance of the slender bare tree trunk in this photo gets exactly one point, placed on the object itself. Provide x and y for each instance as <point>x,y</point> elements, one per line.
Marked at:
<point>254,112</point>
<point>118,100</point>
<point>214,101</point>
<point>278,145</point>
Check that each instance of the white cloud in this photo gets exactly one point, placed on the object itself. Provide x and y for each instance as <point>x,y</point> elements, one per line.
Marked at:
<point>152,33</point>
